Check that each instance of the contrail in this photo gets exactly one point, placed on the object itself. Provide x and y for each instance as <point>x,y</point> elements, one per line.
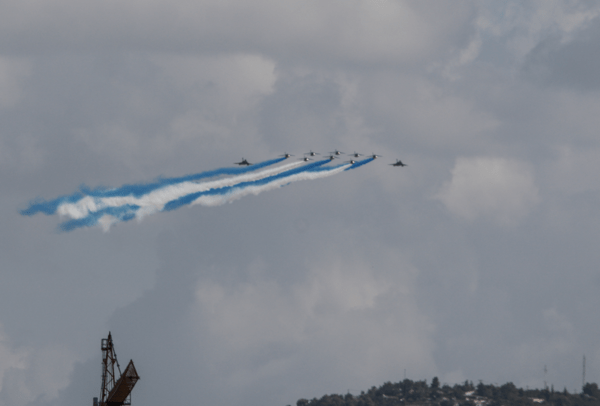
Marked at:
<point>108,216</point>
<point>216,197</point>
<point>51,207</point>
<point>360,163</point>
<point>155,199</point>
<point>239,192</point>
<point>106,207</point>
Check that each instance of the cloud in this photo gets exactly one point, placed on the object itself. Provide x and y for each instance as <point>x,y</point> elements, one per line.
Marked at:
<point>574,170</point>
<point>114,91</point>
<point>570,61</point>
<point>10,358</point>
<point>246,327</point>
<point>13,71</point>
<point>502,190</point>
<point>345,320</point>
<point>363,31</point>
<point>523,25</point>
<point>27,374</point>
<point>206,99</point>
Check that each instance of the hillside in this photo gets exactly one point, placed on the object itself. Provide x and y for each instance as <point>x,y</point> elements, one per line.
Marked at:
<point>420,393</point>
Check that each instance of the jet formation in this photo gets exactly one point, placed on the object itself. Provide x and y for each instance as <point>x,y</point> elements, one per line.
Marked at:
<point>332,155</point>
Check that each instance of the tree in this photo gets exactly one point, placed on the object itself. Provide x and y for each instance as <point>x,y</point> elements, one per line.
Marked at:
<point>508,391</point>
<point>483,390</point>
<point>591,389</point>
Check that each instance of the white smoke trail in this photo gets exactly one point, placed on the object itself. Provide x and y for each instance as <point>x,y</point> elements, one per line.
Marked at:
<point>237,193</point>
<point>155,200</point>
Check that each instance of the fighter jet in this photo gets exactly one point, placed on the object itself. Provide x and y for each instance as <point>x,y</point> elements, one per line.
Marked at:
<point>311,153</point>
<point>352,161</point>
<point>399,163</point>
<point>336,152</point>
<point>243,162</point>
<point>332,157</point>
<point>306,159</point>
<point>375,156</point>
<point>356,155</point>
<point>286,155</point>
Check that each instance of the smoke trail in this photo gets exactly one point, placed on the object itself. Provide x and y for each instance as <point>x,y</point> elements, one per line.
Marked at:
<point>360,163</point>
<point>209,197</point>
<point>216,197</point>
<point>106,207</point>
<point>51,207</point>
<point>155,200</point>
<point>191,197</point>
<point>237,193</point>
<point>107,216</point>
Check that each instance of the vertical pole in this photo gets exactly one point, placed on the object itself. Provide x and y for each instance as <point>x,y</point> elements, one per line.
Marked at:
<point>583,378</point>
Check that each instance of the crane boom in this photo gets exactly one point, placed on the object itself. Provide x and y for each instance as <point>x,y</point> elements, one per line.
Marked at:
<point>122,389</point>
<point>115,391</point>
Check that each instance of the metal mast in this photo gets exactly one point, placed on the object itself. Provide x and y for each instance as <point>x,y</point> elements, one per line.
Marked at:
<point>115,391</point>
<point>583,379</point>
<point>109,360</point>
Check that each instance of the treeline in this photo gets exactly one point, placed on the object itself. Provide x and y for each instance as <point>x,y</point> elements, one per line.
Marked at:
<point>420,393</point>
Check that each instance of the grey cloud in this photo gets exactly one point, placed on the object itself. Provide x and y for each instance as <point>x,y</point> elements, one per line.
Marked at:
<point>302,112</point>
<point>502,189</point>
<point>309,287</point>
<point>378,31</point>
<point>573,63</point>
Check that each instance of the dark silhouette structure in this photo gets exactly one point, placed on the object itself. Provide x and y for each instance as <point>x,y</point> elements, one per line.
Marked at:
<point>116,391</point>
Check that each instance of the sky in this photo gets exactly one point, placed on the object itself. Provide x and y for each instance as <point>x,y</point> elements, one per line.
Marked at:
<point>478,261</point>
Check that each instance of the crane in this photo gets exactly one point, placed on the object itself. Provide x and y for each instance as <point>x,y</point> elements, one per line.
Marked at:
<point>116,391</point>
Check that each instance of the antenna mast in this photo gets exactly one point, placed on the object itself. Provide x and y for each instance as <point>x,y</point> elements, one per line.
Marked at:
<point>583,379</point>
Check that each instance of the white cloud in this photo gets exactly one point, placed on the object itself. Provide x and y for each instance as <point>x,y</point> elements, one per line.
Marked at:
<point>10,358</point>
<point>267,310</point>
<point>27,373</point>
<point>344,320</point>
<point>499,189</point>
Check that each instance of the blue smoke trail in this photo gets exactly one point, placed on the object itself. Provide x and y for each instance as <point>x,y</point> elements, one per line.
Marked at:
<point>352,166</point>
<point>106,207</point>
<point>360,163</point>
<point>128,211</point>
<point>140,190</point>
<point>50,207</point>
<point>187,199</point>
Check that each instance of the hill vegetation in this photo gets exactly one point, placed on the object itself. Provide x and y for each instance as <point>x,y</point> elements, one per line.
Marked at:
<point>408,393</point>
